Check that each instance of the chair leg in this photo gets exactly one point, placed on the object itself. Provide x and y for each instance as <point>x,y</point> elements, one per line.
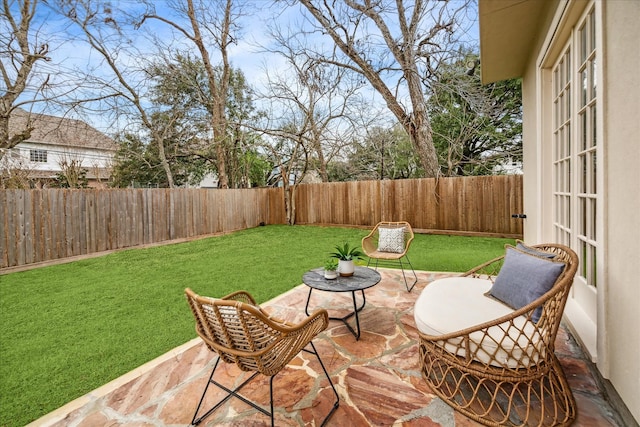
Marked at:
<point>234,393</point>
<point>230,393</point>
<point>406,284</point>
<point>415,277</point>
<point>337,402</point>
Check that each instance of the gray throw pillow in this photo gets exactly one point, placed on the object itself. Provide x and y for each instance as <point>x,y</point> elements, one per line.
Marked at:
<point>524,278</point>
<point>391,240</point>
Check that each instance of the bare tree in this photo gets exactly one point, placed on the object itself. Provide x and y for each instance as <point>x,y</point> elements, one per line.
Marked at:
<point>211,22</point>
<point>300,124</point>
<point>19,52</point>
<point>72,174</point>
<point>16,172</point>
<point>395,46</point>
<point>286,129</point>
<point>120,85</point>
<point>290,159</point>
<point>323,99</point>
<point>313,111</point>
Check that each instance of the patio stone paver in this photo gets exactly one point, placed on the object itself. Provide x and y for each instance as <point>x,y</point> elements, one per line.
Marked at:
<point>378,377</point>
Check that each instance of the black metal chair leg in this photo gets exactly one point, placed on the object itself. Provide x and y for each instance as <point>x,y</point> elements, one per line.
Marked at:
<point>230,393</point>
<point>234,393</point>
<point>395,263</point>
<point>271,398</point>
<point>195,421</point>
<point>336,404</point>
<point>404,275</point>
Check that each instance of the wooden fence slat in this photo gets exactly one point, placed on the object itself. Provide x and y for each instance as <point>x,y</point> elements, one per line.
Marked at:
<point>4,229</point>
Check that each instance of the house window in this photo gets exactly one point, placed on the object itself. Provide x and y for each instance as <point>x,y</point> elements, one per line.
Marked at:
<point>38,156</point>
<point>575,160</point>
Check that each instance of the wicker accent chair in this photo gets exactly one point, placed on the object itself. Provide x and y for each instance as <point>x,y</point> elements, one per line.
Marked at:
<point>503,372</point>
<point>388,244</point>
<point>240,332</point>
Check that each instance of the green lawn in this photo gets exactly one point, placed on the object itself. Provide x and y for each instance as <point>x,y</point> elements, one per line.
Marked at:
<point>70,328</point>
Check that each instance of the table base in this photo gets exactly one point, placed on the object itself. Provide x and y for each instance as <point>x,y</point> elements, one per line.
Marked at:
<point>356,310</point>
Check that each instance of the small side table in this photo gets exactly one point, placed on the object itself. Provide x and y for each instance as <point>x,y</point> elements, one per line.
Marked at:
<point>363,278</point>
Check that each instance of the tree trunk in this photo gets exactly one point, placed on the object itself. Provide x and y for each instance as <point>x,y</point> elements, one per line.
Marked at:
<point>165,163</point>
<point>289,203</point>
<point>420,132</point>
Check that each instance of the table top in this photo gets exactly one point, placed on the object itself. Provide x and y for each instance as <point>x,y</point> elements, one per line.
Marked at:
<point>363,278</point>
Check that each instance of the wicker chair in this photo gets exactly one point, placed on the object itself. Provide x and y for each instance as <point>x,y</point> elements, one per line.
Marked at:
<point>504,371</point>
<point>240,332</point>
<point>388,244</point>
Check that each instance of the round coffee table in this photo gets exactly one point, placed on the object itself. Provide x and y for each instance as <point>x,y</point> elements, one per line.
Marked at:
<point>363,278</point>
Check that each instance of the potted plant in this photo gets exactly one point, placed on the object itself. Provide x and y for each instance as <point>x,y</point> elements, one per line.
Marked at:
<point>330,268</point>
<point>346,255</point>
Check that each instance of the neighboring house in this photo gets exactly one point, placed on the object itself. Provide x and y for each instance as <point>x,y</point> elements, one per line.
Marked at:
<point>508,167</point>
<point>57,141</point>
<point>210,180</point>
<point>579,63</point>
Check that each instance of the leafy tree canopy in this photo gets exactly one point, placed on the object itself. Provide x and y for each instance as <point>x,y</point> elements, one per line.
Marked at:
<point>476,128</point>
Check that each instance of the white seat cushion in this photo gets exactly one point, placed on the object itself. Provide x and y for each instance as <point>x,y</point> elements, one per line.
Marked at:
<point>456,303</point>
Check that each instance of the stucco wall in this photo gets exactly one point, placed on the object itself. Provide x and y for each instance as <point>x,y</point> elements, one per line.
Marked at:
<point>619,296</point>
<point>622,182</point>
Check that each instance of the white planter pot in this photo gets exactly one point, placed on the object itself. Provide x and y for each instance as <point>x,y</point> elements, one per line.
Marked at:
<point>346,268</point>
<point>330,274</point>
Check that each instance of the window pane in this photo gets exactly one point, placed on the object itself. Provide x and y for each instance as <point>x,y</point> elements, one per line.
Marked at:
<point>583,92</point>
<point>583,43</point>
<point>582,253</point>
<point>592,31</point>
<point>583,217</point>
<point>568,66</point>
<point>583,172</point>
<point>592,233</point>
<point>593,141</point>
<point>594,79</point>
<point>594,169</point>
<point>583,132</point>
<point>594,276</point>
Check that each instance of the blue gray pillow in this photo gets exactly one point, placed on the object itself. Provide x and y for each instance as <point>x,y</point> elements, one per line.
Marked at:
<point>524,278</point>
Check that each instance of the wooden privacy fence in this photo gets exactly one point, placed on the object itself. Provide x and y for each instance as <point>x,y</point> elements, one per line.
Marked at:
<point>482,204</point>
<point>45,225</point>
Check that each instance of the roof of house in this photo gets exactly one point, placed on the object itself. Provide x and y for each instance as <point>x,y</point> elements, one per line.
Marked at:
<point>59,131</point>
<point>508,29</point>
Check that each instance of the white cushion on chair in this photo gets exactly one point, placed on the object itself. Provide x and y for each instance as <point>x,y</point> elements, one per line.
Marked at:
<point>391,240</point>
<point>456,303</point>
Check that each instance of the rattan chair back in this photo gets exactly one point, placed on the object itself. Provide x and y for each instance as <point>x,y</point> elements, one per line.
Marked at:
<point>242,333</point>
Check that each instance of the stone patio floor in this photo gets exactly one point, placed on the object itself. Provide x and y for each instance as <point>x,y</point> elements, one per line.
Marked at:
<point>378,377</point>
